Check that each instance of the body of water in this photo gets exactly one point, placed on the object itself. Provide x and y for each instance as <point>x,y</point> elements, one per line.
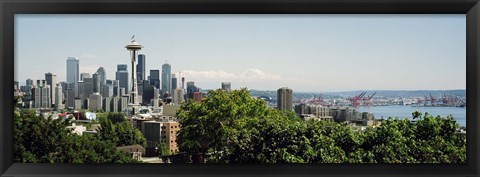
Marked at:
<point>459,113</point>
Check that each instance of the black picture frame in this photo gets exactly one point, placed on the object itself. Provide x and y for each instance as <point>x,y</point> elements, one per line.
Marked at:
<point>11,7</point>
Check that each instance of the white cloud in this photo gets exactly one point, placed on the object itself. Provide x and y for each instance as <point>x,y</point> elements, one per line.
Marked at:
<point>249,75</point>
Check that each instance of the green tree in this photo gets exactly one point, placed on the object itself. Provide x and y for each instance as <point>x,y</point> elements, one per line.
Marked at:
<point>45,140</point>
<point>237,128</point>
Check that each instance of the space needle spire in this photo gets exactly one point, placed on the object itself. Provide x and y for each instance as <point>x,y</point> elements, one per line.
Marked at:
<point>134,47</point>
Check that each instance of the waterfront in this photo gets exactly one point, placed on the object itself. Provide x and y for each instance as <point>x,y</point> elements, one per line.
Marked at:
<point>459,113</point>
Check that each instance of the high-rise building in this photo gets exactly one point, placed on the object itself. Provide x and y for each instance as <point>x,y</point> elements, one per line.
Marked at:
<point>114,104</point>
<point>174,82</point>
<point>80,90</point>
<point>155,78</point>
<point>166,78</point>
<point>106,104</point>
<point>178,96</point>
<point>226,86</point>
<point>42,98</point>
<point>156,98</point>
<point>284,99</point>
<point>29,82</point>
<point>102,75</point>
<point>70,98</point>
<point>148,92</point>
<point>96,83</point>
<point>73,72</point>
<point>141,69</point>
<point>88,87</point>
<point>116,88</point>
<point>95,102</point>
<point>122,76</point>
<point>107,90</point>
<point>84,75</point>
<point>58,97</point>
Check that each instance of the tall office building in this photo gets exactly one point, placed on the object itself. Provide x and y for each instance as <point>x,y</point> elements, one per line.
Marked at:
<point>51,80</point>
<point>122,76</point>
<point>166,78</point>
<point>174,82</point>
<point>70,98</point>
<point>107,90</point>
<point>116,88</point>
<point>29,82</point>
<point>73,72</point>
<point>96,83</point>
<point>284,99</point>
<point>84,75</point>
<point>58,97</point>
<point>80,90</point>
<point>102,75</point>
<point>155,78</point>
<point>88,87</point>
<point>95,102</point>
<point>141,68</point>
<point>226,86</point>
<point>148,92</point>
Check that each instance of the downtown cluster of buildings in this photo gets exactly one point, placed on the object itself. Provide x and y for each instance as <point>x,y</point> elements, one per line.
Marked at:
<point>150,101</point>
<point>95,92</point>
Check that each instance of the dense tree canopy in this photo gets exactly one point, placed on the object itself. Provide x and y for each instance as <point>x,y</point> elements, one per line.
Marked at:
<point>45,140</point>
<point>233,127</point>
<point>116,128</point>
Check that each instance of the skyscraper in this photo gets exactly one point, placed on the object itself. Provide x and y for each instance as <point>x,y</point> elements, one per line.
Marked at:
<point>102,75</point>
<point>96,83</point>
<point>284,99</point>
<point>58,97</point>
<point>226,86</point>
<point>141,69</point>
<point>116,88</point>
<point>88,87</point>
<point>73,72</point>
<point>155,78</point>
<point>122,76</point>
<point>29,82</point>
<point>191,88</point>
<point>84,75</point>
<point>174,82</point>
<point>51,80</point>
<point>166,78</point>
<point>148,92</point>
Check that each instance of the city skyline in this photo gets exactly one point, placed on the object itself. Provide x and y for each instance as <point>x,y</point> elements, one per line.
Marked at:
<point>265,52</point>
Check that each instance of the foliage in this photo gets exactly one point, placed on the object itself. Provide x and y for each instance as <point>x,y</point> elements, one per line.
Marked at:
<point>233,127</point>
<point>45,140</point>
<point>115,127</point>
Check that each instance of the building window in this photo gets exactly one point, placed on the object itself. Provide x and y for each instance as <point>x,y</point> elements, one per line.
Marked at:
<point>171,126</point>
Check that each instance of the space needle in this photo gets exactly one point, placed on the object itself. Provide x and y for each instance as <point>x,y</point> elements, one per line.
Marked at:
<point>134,47</point>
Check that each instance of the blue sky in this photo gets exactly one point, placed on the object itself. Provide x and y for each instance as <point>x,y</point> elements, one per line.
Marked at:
<point>303,52</point>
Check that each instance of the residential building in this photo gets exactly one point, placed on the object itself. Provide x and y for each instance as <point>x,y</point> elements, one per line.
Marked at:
<point>284,99</point>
